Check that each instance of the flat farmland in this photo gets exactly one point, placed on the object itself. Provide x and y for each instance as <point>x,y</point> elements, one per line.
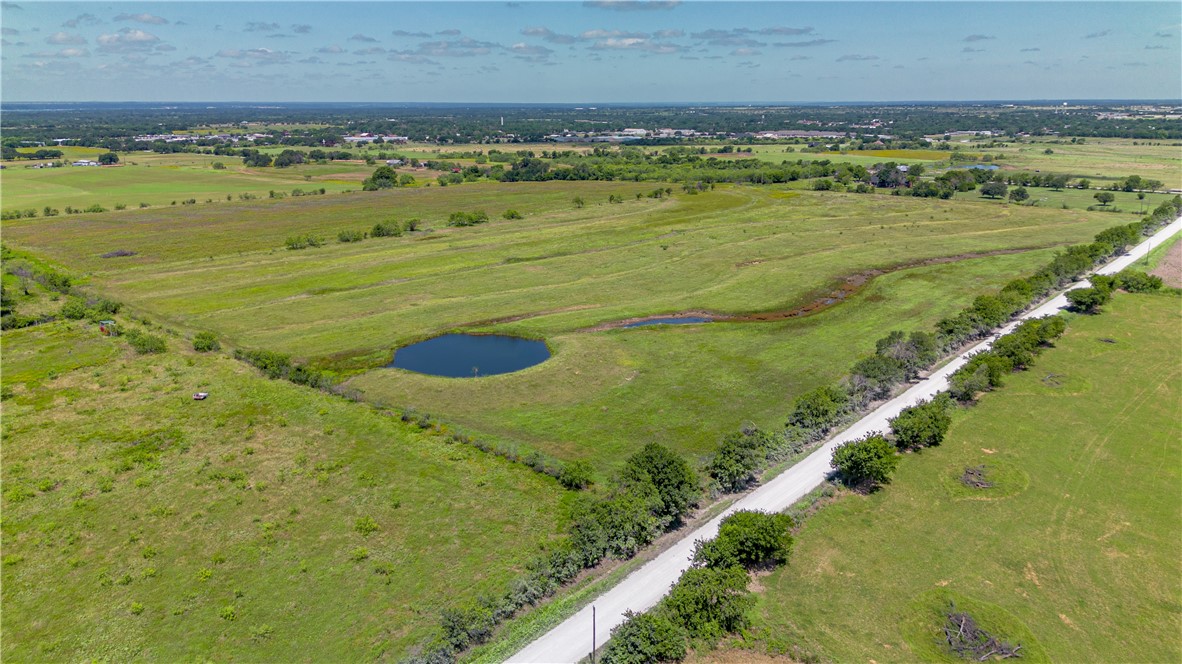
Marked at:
<point>159,180</point>
<point>558,273</point>
<point>1072,553</point>
<point>1100,159</point>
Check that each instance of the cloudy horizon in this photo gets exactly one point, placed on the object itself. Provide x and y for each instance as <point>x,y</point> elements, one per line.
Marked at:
<point>599,51</point>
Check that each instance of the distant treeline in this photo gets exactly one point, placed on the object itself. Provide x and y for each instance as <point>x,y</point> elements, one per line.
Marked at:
<point>99,127</point>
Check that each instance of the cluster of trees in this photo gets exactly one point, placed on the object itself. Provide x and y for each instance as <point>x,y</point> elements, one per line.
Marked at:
<point>1089,300</point>
<point>279,366</point>
<point>712,598</point>
<point>10,152</point>
<point>385,177</point>
<point>655,491</point>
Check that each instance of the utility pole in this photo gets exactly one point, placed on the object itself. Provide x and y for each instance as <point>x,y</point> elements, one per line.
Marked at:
<point>592,634</point>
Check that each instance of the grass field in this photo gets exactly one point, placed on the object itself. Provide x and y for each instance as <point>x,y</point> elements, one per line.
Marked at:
<point>1073,553</point>
<point>159,180</point>
<point>1100,159</point>
<point>557,272</point>
<point>140,524</point>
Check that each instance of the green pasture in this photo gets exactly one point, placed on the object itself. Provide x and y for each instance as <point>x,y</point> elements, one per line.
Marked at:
<point>161,179</point>
<point>1073,554</point>
<point>1100,159</point>
<point>1124,209</point>
<point>141,525</point>
<point>556,273</point>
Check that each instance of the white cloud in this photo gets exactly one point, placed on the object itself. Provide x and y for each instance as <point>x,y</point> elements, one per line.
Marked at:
<point>126,40</point>
<point>82,19</point>
<point>150,19</point>
<point>362,38</point>
<point>62,38</point>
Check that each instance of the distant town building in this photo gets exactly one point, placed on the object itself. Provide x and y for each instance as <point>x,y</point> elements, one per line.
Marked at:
<point>84,162</point>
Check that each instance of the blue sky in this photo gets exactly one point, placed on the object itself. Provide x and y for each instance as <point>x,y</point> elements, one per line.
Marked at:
<point>585,52</point>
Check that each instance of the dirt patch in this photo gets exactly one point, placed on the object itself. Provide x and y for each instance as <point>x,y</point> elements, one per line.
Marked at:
<point>1030,575</point>
<point>1170,267</point>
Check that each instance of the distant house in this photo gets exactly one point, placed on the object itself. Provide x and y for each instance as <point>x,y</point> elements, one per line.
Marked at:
<point>393,162</point>
<point>85,162</point>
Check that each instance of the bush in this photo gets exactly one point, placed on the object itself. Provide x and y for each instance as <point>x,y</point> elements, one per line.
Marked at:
<point>922,425</point>
<point>1135,281</point>
<point>205,342</point>
<point>747,539</point>
<point>1088,300</point>
<point>575,475</point>
<point>144,343</point>
<point>739,457</point>
<point>674,484</point>
<point>618,527</point>
<point>460,219</point>
<point>386,229</point>
<point>709,602</point>
<point>818,410</point>
<point>644,638</point>
<point>511,214</point>
<point>303,241</point>
<point>350,236</point>
<point>868,462</point>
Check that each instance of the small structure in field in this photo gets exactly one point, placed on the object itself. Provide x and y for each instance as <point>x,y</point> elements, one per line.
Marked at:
<point>200,396</point>
<point>108,328</point>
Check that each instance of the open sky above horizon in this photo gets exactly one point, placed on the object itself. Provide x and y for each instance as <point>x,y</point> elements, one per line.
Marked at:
<point>598,51</point>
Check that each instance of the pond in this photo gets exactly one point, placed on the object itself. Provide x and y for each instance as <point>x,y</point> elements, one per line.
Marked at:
<point>984,167</point>
<point>684,320</point>
<point>470,355</point>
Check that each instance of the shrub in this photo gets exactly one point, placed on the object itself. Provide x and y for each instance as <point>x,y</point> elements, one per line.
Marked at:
<point>868,462</point>
<point>738,459</point>
<point>460,219</point>
<point>511,214</point>
<point>644,638</point>
<point>350,236</point>
<point>386,229</point>
<point>205,342</point>
<point>303,241</point>
<point>1135,281</point>
<point>747,539</point>
<point>576,475</point>
<point>672,480</point>
<point>618,527</point>
<point>1088,300</point>
<point>366,526</point>
<point>818,410</point>
<point>878,374</point>
<point>922,425</point>
<point>144,343</point>
<point>709,602</point>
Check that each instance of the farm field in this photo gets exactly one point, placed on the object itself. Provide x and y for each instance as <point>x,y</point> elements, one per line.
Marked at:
<point>558,273</point>
<point>269,521</point>
<point>159,180</point>
<point>1072,552</point>
<point>1101,159</point>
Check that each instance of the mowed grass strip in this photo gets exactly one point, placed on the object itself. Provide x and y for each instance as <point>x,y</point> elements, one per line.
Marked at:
<point>1077,556</point>
<point>269,521</point>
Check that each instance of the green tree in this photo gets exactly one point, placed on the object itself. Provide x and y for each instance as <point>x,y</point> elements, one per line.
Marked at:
<point>922,425</point>
<point>747,539</point>
<point>576,475</point>
<point>673,481</point>
<point>1104,197</point>
<point>709,602</point>
<point>645,638</point>
<point>1088,300</point>
<point>994,189</point>
<point>1019,194</point>
<point>817,410</point>
<point>867,462</point>
<point>108,158</point>
<point>383,177</point>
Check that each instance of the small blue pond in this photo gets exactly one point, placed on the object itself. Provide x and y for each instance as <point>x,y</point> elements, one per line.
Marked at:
<point>686,320</point>
<point>984,167</point>
<point>470,355</point>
